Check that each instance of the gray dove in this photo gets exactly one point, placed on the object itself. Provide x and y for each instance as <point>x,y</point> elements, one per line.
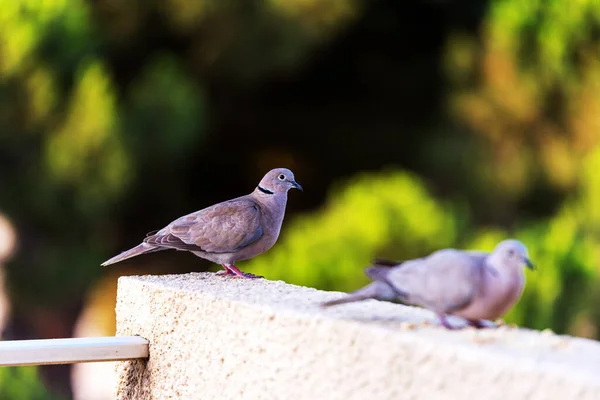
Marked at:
<point>473,285</point>
<point>234,230</point>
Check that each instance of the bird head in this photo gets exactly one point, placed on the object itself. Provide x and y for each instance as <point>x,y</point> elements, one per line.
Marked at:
<point>514,253</point>
<point>278,180</point>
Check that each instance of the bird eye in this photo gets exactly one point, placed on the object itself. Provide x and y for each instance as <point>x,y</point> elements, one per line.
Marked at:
<point>281,177</point>
<point>511,253</point>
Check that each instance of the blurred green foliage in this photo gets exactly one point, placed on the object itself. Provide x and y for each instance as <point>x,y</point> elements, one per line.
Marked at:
<point>23,383</point>
<point>528,90</point>
<point>116,117</point>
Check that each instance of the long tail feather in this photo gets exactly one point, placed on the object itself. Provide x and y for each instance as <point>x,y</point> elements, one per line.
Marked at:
<point>143,248</point>
<point>371,291</point>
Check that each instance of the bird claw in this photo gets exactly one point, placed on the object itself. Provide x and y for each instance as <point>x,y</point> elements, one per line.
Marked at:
<point>251,276</point>
<point>444,322</point>
<point>477,324</point>
<point>243,275</point>
<point>234,272</point>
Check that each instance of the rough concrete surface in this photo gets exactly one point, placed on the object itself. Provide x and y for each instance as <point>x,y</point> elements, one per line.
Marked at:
<point>226,338</point>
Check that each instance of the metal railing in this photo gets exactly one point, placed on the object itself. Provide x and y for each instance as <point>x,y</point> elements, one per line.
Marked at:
<point>72,350</point>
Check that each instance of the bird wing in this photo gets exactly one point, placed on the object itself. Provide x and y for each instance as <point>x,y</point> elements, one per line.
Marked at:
<point>445,281</point>
<point>223,228</point>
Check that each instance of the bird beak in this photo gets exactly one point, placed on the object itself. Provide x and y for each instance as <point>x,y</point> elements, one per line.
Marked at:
<point>297,185</point>
<point>529,264</point>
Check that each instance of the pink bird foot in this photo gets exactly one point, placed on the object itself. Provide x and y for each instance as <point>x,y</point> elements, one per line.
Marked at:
<point>225,272</point>
<point>445,322</point>
<point>233,271</point>
<point>475,323</point>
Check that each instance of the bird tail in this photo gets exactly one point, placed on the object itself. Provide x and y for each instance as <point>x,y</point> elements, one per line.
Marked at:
<point>371,291</point>
<point>143,248</point>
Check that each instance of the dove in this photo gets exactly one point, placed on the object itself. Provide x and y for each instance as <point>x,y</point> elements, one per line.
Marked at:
<point>473,285</point>
<point>234,230</point>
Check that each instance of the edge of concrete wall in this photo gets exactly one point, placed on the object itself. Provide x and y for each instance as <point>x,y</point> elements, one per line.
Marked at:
<point>225,338</point>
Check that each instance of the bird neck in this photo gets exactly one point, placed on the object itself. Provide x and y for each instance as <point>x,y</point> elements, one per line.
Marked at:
<point>264,190</point>
<point>501,289</point>
<point>505,274</point>
<point>267,196</point>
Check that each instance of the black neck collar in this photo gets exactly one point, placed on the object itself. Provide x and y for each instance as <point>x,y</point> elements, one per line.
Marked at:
<point>265,191</point>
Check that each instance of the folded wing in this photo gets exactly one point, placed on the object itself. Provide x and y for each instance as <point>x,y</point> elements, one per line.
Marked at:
<point>445,281</point>
<point>222,228</point>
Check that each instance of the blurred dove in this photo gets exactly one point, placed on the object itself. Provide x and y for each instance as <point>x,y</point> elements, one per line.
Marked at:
<point>237,229</point>
<point>473,285</point>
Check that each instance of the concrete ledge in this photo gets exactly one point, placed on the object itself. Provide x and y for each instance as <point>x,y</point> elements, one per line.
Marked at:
<point>217,338</point>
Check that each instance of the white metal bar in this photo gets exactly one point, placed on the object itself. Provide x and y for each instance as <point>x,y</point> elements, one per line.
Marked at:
<point>70,351</point>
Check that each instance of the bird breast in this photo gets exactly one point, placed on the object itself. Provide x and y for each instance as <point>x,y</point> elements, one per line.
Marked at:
<point>498,293</point>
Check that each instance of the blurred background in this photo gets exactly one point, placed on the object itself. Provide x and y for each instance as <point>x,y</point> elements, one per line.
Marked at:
<point>412,125</point>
